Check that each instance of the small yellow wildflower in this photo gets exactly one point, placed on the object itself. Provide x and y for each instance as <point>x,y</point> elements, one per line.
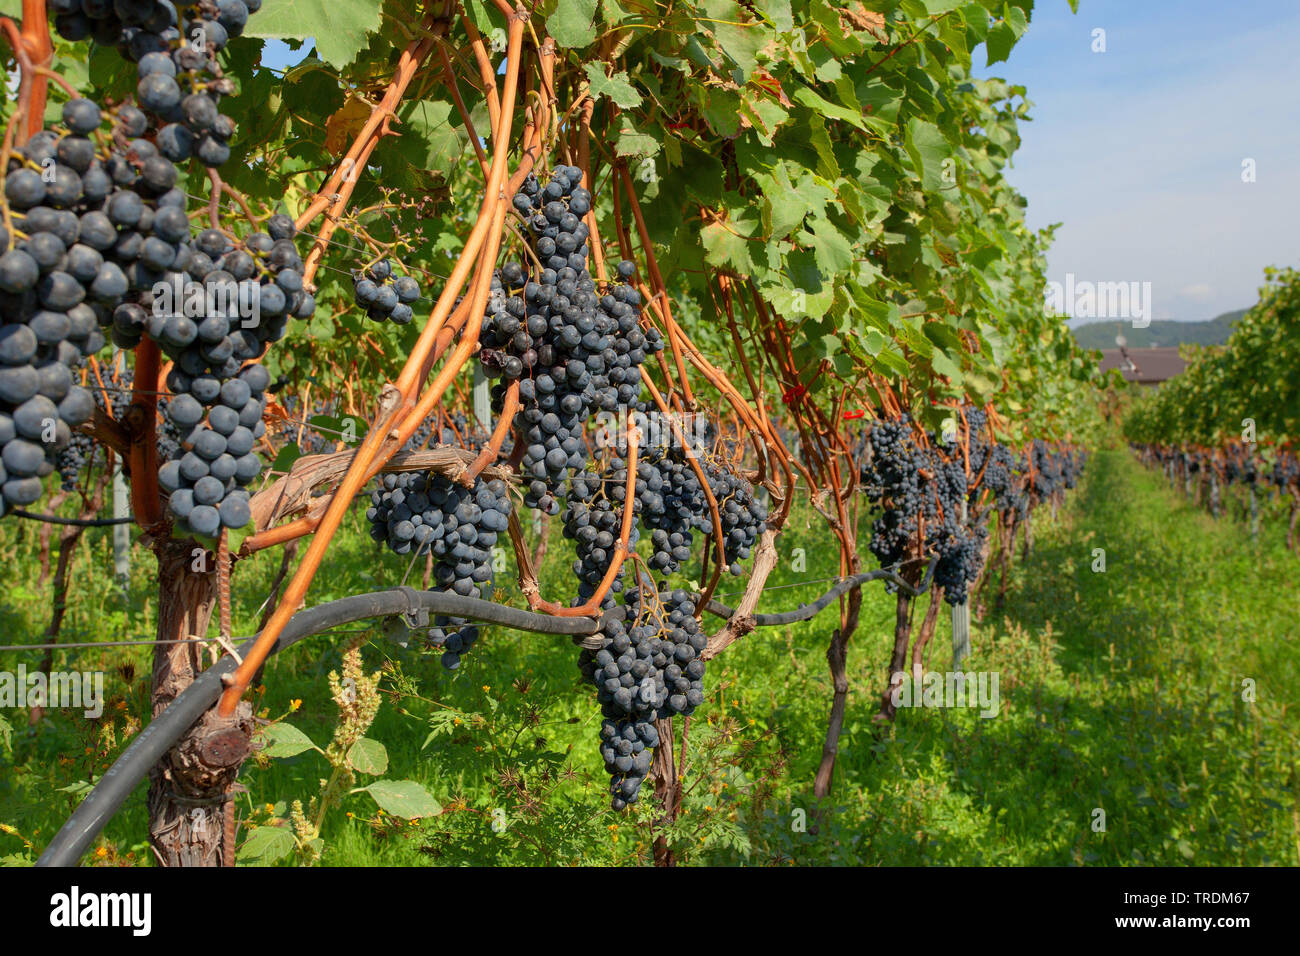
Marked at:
<point>295,704</point>
<point>486,688</point>
<point>101,852</point>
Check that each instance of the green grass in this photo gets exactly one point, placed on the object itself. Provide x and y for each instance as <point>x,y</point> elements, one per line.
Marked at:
<point>1120,691</point>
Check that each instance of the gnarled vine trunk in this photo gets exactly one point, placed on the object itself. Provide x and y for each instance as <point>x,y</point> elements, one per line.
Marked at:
<point>667,787</point>
<point>837,658</point>
<point>898,659</point>
<point>190,809</point>
<point>928,625</point>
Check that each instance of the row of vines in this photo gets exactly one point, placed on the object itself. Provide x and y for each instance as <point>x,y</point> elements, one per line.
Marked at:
<point>716,259</point>
<point>1226,429</point>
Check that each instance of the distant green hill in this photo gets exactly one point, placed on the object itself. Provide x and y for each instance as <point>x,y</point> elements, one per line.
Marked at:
<point>1101,335</point>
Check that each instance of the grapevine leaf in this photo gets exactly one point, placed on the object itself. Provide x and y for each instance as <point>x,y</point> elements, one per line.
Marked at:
<point>741,42</point>
<point>777,13</point>
<point>433,142</point>
<point>287,456</point>
<point>340,28</point>
<point>477,10</point>
<point>1004,35</point>
<point>617,87</point>
<point>825,107</point>
<point>723,247</point>
<point>928,148</point>
<point>573,24</point>
<point>633,142</point>
<point>721,108</point>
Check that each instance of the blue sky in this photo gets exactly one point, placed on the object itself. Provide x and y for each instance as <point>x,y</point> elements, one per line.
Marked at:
<point>1138,151</point>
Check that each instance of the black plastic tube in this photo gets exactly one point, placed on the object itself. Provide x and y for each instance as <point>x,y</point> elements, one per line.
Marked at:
<point>809,611</point>
<point>112,790</point>
<point>75,522</point>
<point>107,797</point>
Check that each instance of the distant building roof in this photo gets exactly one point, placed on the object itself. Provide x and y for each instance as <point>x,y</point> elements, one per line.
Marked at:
<point>1145,366</point>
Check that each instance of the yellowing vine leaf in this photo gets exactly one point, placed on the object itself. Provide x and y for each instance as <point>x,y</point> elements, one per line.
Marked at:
<point>342,127</point>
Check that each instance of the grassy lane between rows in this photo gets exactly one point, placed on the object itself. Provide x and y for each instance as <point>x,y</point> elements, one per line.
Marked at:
<point>1121,692</point>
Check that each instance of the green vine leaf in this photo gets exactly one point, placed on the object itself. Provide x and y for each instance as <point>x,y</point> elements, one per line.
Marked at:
<point>617,86</point>
<point>340,28</point>
<point>573,24</point>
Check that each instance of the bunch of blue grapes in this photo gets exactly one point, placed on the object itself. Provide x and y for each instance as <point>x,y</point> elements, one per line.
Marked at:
<point>955,540</point>
<point>428,513</point>
<point>593,517</point>
<point>211,301</point>
<point>227,301</point>
<point>83,451</point>
<point>1285,473</point>
<point>672,502</point>
<point>893,482</point>
<point>386,297</point>
<point>83,234</point>
<point>174,46</point>
<point>1004,477</point>
<point>743,518</point>
<point>1045,477</point>
<point>981,442</point>
<point>649,666</point>
<point>572,349</point>
<point>295,430</point>
<point>919,491</point>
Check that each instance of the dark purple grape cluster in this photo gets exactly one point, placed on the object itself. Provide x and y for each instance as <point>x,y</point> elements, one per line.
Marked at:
<point>573,350</point>
<point>84,451</point>
<point>386,297</point>
<point>744,519</point>
<point>920,492</point>
<point>672,502</point>
<point>74,458</point>
<point>429,513</point>
<point>221,421</point>
<point>174,47</point>
<point>214,313</point>
<point>80,227</point>
<point>130,263</point>
<point>593,517</point>
<point>1285,473</point>
<point>892,481</point>
<point>293,431</point>
<point>1004,477</point>
<point>648,667</point>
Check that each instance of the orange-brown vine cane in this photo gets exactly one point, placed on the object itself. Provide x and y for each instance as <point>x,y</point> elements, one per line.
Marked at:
<point>395,406</point>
